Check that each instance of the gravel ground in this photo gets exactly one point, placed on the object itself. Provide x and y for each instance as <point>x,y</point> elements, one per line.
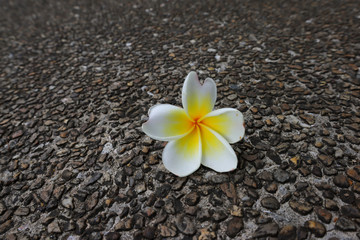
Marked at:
<point>77,79</point>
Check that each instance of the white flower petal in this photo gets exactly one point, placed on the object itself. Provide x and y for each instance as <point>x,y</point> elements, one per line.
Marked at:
<point>217,153</point>
<point>167,122</point>
<point>228,122</point>
<point>182,157</point>
<point>197,99</point>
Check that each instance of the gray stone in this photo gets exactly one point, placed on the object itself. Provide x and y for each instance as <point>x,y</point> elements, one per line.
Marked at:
<point>266,230</point>
<point>326,160</point>
<point>5,226</point>
<point>112,236</point>
<point>345,224</point>
<point>96,176</point>
<point>234,226</point>
<point>354,173</point>
<point>22,211</point>
<point>67,202</point>
<point>46,193</point>
<point>2,208</point>
<point>149,232</point>
<point>185,224</point>
<point>303,208</point>
<point>67,174</point>
<point>323,214</point>
<point>140,188</point>
<point>331,205</point>
<point>350,211</point>
<point>167,230</point>
<point>288,232</point>
<point>270,202</point>
<point>192,198</point>
<point>91,201</point>
<point>341,181</point>
<point>317,228</point>
<point>53,227</point>
<point>281,176</point>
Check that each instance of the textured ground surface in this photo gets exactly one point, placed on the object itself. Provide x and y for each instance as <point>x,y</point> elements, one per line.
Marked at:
<point>77,79</point>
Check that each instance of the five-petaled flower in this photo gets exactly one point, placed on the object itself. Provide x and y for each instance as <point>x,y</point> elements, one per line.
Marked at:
<point>196,134</point>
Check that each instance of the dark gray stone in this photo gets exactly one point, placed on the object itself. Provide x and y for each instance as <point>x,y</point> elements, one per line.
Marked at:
<point>269,229</point>
<point>185,224</point>
<point>345,224</point>
<point>270,202</point>
<point>350,211</point>
<point>234,226</point>
<point>96,176</point>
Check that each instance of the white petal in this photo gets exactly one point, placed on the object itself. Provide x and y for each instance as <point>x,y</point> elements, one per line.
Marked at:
<point>197,99</point>
<point>228,122</point>
<point>217,153</point>
<point>167,122</point>
<point>182,157</point>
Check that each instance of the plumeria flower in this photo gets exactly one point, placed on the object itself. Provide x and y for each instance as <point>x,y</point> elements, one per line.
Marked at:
<point>197,134</point>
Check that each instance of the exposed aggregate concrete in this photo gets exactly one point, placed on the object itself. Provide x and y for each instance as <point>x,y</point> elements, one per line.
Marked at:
<point>78,77</point>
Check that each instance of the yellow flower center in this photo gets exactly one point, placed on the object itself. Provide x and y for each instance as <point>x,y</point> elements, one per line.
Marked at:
<point>196,122</point>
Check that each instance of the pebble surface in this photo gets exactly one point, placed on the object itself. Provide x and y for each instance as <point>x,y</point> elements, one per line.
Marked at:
<point>78,77</point>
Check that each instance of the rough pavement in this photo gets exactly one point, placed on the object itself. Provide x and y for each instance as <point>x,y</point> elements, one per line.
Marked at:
<point>77,79</point>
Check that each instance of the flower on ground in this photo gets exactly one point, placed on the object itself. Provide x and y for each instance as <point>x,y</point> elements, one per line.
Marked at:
<point>197,133</point>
